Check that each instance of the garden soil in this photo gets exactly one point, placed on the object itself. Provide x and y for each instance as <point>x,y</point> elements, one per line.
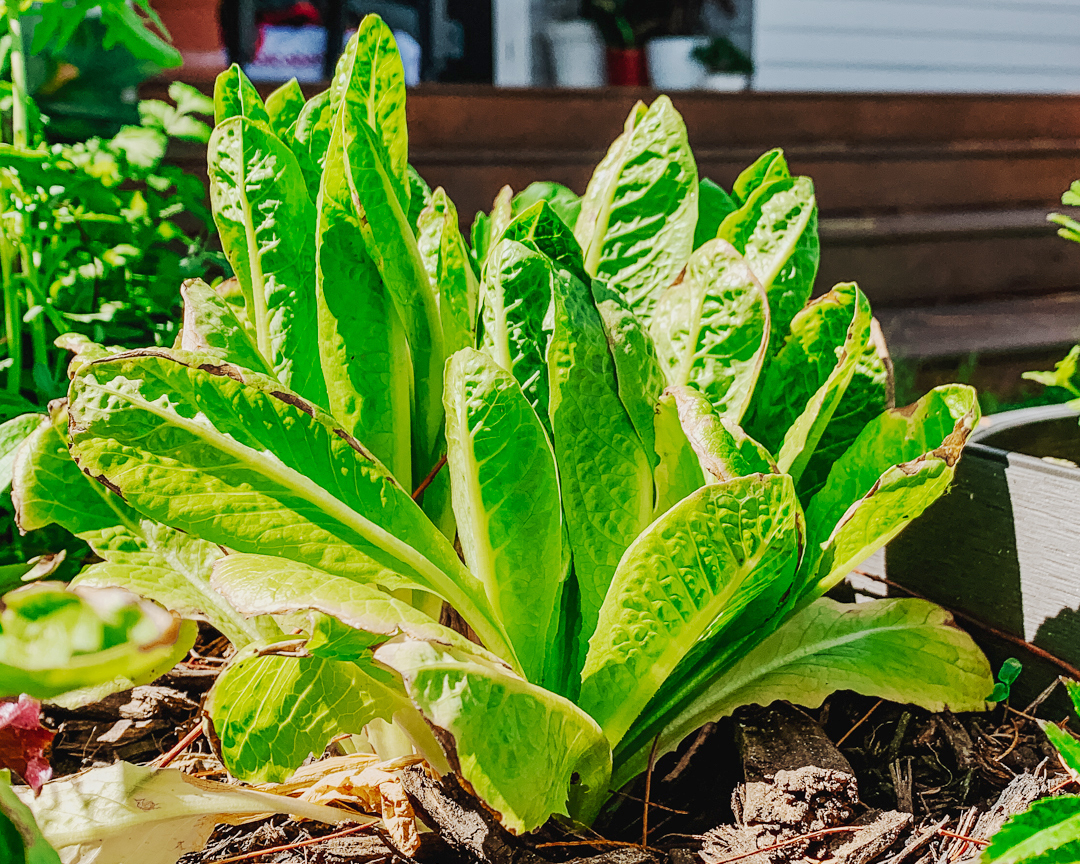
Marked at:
<point>857,781</point>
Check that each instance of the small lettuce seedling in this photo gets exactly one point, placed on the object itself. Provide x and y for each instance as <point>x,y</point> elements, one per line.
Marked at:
<point>1007,674</point>
<point>660,455</point>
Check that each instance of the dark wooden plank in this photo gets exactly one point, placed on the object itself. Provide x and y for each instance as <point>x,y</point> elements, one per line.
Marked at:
<point>998,326</point>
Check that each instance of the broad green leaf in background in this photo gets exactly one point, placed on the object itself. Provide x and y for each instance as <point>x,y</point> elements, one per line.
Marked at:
<point>179,439</point>
<point>272,711</point>
<point>283,107</point>
<point>712,328</point>
<point>12,434</point>
<point>139,555</point>
<point>776,231</point>
<point>236,96</point>
<point>869,393</point>
<point>123,813</point>
<point>515,307</point>
<point>767,168</point>
<point>210,324</point>
<point>517,744</point>
<point>714,205</point>
<point>370,81</point>
<point>393,247</point>
<point>604,471</point>
<point>446,259</point>
<point>505,491</point>
<point>724,450</point>
<point>362,343</point>
<point>695,567</point>
<point>637,369</point>
<point>639,213</point>
<point>21,841</point>
<point>55,642</point>
<point>563,201</point>
<point>803,385</point>
<point>897,466</point>
<point>907,650</point>
<point>265,220</point>
<point>310,138</point>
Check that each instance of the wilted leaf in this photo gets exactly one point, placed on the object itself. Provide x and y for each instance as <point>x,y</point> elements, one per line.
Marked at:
<point>126,813</point>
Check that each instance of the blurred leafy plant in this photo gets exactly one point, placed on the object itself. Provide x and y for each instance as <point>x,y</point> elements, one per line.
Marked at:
<point>720,55</point>
<point>1066,373</point>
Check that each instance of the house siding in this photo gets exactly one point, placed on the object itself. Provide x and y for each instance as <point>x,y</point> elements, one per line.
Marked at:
<point>1004,46</point>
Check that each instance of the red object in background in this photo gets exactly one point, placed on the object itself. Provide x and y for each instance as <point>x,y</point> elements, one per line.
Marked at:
<point>298,15</point>
<point>626,67</point>
<point>196,34</point>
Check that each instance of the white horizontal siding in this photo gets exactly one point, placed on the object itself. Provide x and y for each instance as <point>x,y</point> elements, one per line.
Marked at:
<point>918,45</point>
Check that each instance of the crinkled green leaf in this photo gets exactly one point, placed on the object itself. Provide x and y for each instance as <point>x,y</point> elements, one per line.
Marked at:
<point>637,368</point>
<point>563,201</point>
<point>515,314</point>
<point>604,471</point>
<point>803,385</point>
<point>869,393</point>
<point>904,650</point>
<point>54,642</point>
<point>309,138</point>
<point>541,229</point>
<point>712,328</point>
<point>518,745</point>
<point>124,813</point>
<point>21,841</point>
<point>140,555</point>
<point>1047,833</point>
<point>255,469</point>
<point>236,96</point>
<point>419,197</point>
<point>12,434</point>
<point>776,231</point>
<point>392,245</point>
<point>210,324</point>
<point>446,259</point>
<point>697,566</point>
<point>506,501</point>
<point>362,342</point>
<point>900,463</point>
<point>678,472</point>
<point>714,205</point>
<point>265,220</point>
<point>767,168</point>
<point>370,81</point>
<point>283,106</point>
<point>271,711</point>
<point>262,585</point>
<point>724,450</point>
<point>640,210</point>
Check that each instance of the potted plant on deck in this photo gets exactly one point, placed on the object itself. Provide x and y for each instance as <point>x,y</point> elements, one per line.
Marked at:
<point>727,67</point>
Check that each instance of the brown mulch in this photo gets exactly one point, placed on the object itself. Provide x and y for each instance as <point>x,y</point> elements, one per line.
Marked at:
<point>922,788</point>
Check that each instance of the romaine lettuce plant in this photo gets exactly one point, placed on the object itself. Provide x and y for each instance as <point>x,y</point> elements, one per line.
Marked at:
<point>659,456</point>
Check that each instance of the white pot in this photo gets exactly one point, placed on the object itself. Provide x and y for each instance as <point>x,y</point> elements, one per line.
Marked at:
<point>729,82</point>
<point>671,62</point>
<point>577,53</point>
